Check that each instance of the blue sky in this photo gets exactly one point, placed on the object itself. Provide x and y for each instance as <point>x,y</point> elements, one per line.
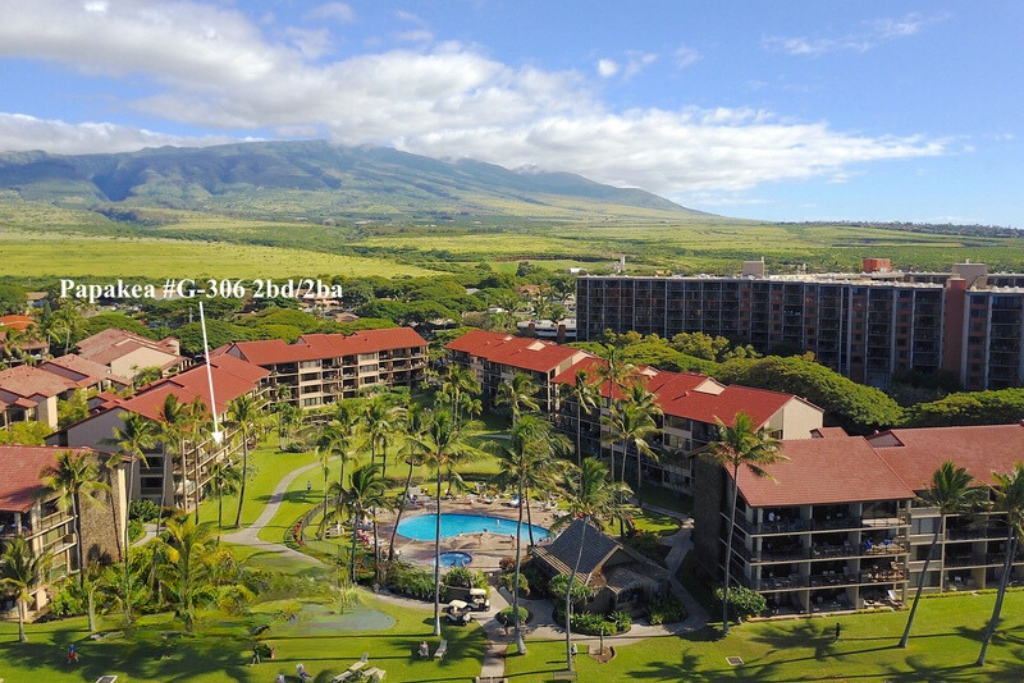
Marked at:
<point>797,110</point>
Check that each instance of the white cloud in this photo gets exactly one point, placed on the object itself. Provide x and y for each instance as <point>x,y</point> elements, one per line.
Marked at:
<point>637,62</point>
<point>607,68</point>
<point>415,36</point>
<point>686,56</point>
<point>209,66</point>
<point>874,34</point>
<point>337,11</point>
<point>21,133</point>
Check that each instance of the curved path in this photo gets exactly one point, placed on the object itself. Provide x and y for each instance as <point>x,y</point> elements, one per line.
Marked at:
<point>250,535</point>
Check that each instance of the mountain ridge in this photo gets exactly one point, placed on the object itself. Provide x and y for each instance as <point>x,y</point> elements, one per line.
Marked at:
<point>317,177</point>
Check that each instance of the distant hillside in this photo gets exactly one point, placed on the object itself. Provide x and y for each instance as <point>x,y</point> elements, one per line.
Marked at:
<point>316,179</point>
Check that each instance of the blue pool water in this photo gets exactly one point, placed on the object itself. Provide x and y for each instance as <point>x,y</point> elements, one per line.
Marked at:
<point>454,559</point>
<point>421,528</point>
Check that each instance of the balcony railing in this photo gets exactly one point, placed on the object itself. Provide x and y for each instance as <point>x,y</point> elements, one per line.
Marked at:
<point>833,524</point>
<point>823,552</point>
<point>830,579</point>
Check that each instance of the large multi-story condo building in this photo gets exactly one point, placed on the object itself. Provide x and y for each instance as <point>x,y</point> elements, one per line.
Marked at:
<point>321,369</point>
<point>495,358</point>
<point>693,405</point>
<point>29,511</point>
<point>869,326</point>
<point>840,525</point>
<point>169,475</point>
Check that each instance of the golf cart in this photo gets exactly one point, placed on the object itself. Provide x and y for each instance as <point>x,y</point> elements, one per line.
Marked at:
<point>475,598</point>
<point>458,612</point>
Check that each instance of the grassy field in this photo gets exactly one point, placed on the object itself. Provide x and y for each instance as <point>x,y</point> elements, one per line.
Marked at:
<point>945,645</point>
<point>221,652</point>
<point>187,243</point>
<point>62,255</point>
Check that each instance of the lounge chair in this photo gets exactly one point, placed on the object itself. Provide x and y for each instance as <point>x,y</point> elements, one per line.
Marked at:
<point>374,674</point>
<point>442,649</point>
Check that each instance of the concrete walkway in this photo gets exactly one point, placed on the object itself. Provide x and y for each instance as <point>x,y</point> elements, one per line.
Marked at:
<point>250,535</point>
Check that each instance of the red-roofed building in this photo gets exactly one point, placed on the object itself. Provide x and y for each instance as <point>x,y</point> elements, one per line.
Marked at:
<point>495,358</point>
<point>86,374</point>
<point>31,394</point>
<point>692,404</point>
<point>26,510</point>
<point>838,525</point>
<point>163,477</point>
<point>127,354</point>
<point>18,348</point>
<point>320,369</point>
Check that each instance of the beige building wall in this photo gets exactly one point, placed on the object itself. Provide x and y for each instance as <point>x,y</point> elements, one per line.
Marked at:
<point>130,364</point>
<point>796,419</point>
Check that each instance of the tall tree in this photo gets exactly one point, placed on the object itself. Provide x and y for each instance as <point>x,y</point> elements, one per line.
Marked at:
<point>20,572</point>
<point>589,496</point>
<point>380,420</point>
<point>456,382</point>
<point>186,566</point>
<point>245,415</point>
<point>336,438</point>
<point>742,445</point>
<point>139,435</point>
<point>365,492</point>
<point>1009,499</point>
<point>416,423</point>
<point>585,397</point>
<point>198,430</point>
<point>950,493</point>
<point>174,421</point>
<point>225,479</point>
<point>74,480</point>
<point>519,395</point>
<point>615,375</point>
<point>442,441</point>
<point>631,425</point>
<point>531,446</point>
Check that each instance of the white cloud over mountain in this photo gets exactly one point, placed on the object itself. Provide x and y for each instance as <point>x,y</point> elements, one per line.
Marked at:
<point>211,66</point>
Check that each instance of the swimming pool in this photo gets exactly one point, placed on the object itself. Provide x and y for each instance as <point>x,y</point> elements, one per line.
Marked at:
<point>422,528</point>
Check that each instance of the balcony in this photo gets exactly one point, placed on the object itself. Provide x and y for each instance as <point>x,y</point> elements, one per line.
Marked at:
<point>972,534</point>
<point>828,524</point>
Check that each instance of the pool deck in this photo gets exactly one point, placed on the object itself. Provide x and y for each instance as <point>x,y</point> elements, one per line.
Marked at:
<point>487,548</point>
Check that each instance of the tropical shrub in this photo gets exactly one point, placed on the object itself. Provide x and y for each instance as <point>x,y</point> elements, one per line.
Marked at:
<point>136,529</point>
<point>505,581</point>
<point>665,610</point>
<point>743,602</point>
<point>504,617</point>
<point>591,624</point>
<point>144,510</point>
<point>560,584</point>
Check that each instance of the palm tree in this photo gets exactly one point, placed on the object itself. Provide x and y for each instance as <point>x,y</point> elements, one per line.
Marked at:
<point>336,439</point>
<point>457,382</point>
<point>20,572</point>
<point>950,493</point>
<point>66,323</point>
<point>531,446</point>
<point>380,420</point>
<point>174,420</point>
<point>416,422</point>
<point>74,480</point>
<point>631,424</point>
<point>442,441</point>
<point>198,428</point>
<point>185,564</point>
<point>742,445</point>
<point>590,496</point>
<point>586,396</point>
<point>518,395</point>
<point>139,435</point>
<point>1009,498</point>
<point>244,414</point>
<point>225,479</point>
<point>365,493</point>
<point>289,419</point>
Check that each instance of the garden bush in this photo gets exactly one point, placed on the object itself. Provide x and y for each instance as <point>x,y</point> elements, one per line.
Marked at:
<point>743,602</point>
<point>505,581</point>
<point>504,617</point>
<point>591,624</point>
<point>417,583</point>
<point>136,529</point>
<point>665,610</point>
<point>144,510</point>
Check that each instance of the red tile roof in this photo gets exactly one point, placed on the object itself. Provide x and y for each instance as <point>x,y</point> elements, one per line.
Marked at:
<point>84,372</point>
<point>891,465</point>
<point>693,396</point>
<point>516,352</point>
<point>110,344</point>
<point>17,322</point>
<point>20,467</point>
<point>829,433</point>
<point>915,454</point>
<point>322,346</point>
<point>824,472</point>
<point>232,377</point>
<point>25,380</point>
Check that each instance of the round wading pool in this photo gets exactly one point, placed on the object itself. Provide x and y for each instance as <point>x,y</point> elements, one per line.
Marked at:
<point>455,559</point>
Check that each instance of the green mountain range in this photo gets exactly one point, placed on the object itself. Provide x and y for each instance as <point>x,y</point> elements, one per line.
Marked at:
<point>316,180</point>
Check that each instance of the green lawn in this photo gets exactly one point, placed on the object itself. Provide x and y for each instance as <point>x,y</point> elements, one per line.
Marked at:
<point>944,647</point>
<point>666,499</point>
<point>221,652</point>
